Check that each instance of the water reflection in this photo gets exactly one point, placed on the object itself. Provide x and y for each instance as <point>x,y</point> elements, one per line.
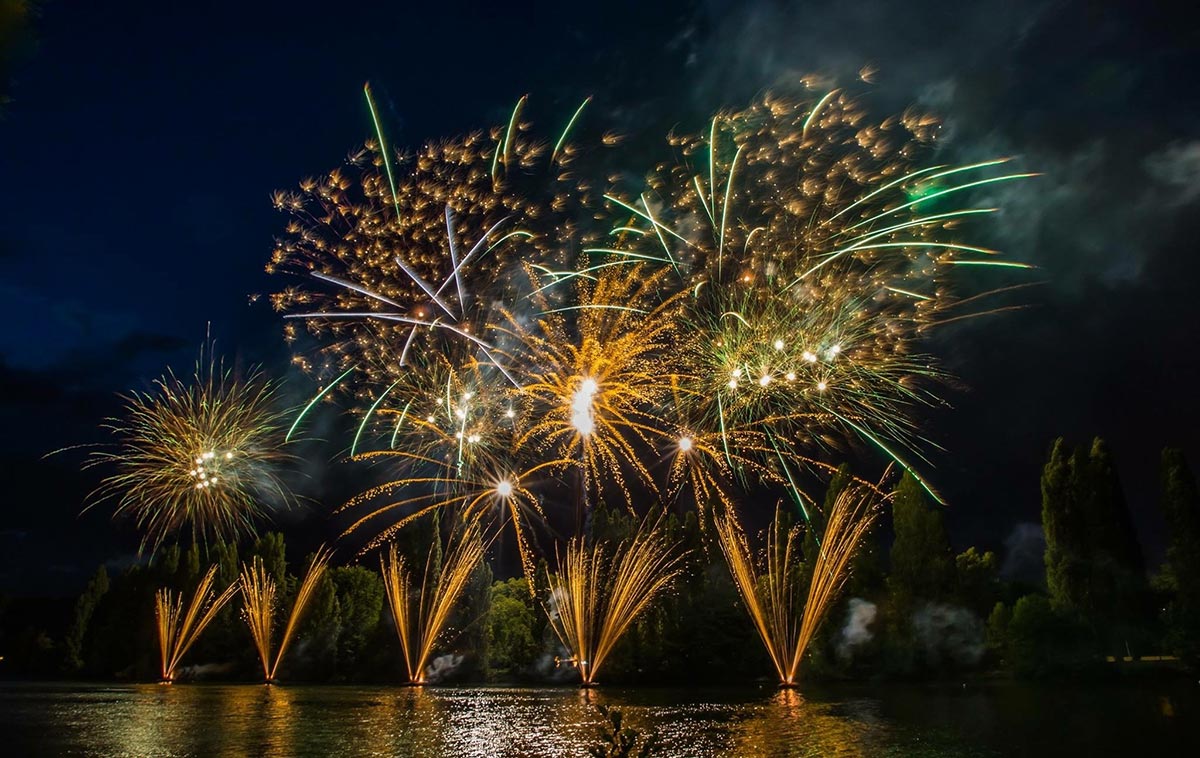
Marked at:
<point>187,720</point>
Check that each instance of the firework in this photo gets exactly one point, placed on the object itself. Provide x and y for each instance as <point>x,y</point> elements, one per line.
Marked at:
<point>177,630</point>
<point>755,312</point>
<point>405,257</point>
<point>199,456</point>
<point>815,253</point>
<point>260,607</point>
<point>421,605</point>
<point>786,614</point>
<point>600,591</point>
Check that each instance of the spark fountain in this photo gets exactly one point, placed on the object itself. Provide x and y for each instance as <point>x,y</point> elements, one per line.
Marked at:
<point>598,594</point>
<point>177,630</point>
<point>786,614</point>
<point>421,605</point>
<point>260,607</point>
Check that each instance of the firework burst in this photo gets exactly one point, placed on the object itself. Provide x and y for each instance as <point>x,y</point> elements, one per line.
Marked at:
<point>815,254</point>
<point>201,456</point>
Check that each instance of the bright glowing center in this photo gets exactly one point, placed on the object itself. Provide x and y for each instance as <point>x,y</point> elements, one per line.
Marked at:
<point>504,488</point>
<point>778,344</point>
<point>685,444</point>
<point>582,415</point>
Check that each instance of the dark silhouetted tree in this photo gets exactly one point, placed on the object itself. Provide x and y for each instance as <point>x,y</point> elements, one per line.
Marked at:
<point>1180,577</point>
<point>1065,530</point>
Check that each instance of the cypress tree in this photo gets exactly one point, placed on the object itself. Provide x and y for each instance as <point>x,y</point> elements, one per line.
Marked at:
<point>1180,504</point>
<point>922,563</point>
<point>1062,522</point>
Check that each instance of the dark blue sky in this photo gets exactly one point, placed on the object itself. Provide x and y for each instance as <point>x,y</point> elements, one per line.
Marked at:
<point>143,142</point>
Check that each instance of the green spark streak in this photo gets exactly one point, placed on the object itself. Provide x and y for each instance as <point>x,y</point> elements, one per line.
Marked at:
<point>403,413</point>
<point>724,437</point>
<point>738,316</point>
<point>512,122</point>
<point>725,209</point>
<point>940,193</point>
<point>910,294</point>
<point>314,401</point>
<point>884,188</point>
<point>712,166</point>
<point>922,221</point>
<point>661,239</point>
<point>700,194</point>
<point>387,164</point>
<point>565,275</point>
<point>999,264</point>
<point>558,145</point>
<point>626,253</point>
<point>792,484</point>
<point>891,454</point>
<point>596,307</point>
<point>629,229</point>
<point>633,209</point>
<point>367,417</point>
<point>816,109</point>
<point>907,244</point>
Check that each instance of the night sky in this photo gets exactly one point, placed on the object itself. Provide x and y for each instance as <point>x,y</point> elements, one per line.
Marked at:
<point>141,146</point>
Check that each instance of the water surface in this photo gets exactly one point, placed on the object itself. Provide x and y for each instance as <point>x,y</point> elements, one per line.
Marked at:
<point>863,720</point>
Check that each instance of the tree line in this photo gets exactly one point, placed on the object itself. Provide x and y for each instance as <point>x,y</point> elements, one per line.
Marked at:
<point>912,607</point>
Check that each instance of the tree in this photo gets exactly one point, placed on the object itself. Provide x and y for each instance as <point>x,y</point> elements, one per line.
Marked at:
<point>1064,527</point>
<point>85,607</point>
<point>997,631</point>
<point>1180,578</point>
<point>360,605</point>
<point>1043,641</point>
<point>975,577</point>
<point>512,626</point>
<point>922,563</point>
<point>1117,571</point>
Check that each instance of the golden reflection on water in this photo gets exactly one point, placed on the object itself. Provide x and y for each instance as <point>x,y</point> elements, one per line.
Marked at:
<point>278,721</point>
<point>239,720</point>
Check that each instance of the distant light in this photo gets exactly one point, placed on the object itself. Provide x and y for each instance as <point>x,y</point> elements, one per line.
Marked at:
<point>685,444</point>
<point>473,438</point>
<point>764,380</point>
<point>791,376</point>
<point>809,356</point>
<point>733,384</point>
<point>778,344</point>
<point>736,373</point>
<point>504,488</point>
<point>821,386</point>
<point>510,413</point>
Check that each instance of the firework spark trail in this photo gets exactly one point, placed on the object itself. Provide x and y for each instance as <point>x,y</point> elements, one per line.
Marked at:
<point>786,614</point>
<point>177,630</point>
<point>260,607</point>
<point>421,605</point>
<point>601,590</point>
<point>202,455</point>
